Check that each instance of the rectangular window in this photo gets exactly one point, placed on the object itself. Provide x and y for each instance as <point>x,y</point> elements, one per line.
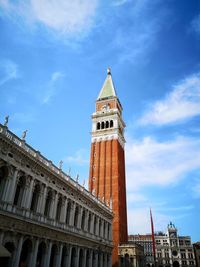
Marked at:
<point>183,256</point>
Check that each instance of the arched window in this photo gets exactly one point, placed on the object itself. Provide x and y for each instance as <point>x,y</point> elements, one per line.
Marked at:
<point>64,257</point>
<point>25,257</point>
<point>41,254</point>
<point>83,220</point>
<point>87,258</point>
<point>102,125</point>
<point>76,217</point>
<point>48,203</point>
<point>93,259</point>
<point>35,197</point>
<point>81,258</point>
<point>19,192</point>
<point>54,253</point>
<point>127,259</point>
<point>73,257</point>
<point>107,124</point>
<point>58,210</point>
<point>98,125</point>
<point>111,123</point>
<point>68,213</point>
<point>89,222</point>
<point>3,176</point>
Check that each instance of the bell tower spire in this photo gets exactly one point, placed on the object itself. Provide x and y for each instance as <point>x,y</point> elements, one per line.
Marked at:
<point>107,162</point>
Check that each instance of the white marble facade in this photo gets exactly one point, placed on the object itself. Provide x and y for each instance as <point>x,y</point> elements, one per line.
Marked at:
<point>47,218</point>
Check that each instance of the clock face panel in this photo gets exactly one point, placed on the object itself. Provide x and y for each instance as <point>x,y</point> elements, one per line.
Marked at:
<point>172,234</point>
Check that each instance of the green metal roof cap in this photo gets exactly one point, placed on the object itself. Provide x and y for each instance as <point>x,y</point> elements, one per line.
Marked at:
<point>108,89</point>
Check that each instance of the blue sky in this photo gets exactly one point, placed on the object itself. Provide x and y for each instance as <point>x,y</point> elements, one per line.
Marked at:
<point>53,60</point>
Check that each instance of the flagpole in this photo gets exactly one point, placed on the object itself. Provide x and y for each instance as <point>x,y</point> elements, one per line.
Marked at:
<point>153,238</point>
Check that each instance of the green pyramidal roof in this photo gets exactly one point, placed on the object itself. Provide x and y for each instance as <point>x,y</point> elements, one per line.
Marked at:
<point>108,89</point>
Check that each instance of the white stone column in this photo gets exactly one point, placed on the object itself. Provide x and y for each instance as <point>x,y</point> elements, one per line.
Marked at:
<point>92,224</point>
<point>29,195</point>
<point>85,257</point>
<point>110,231</point>
<point>97,227</point>
<point>63,210</point>
<point>59,258</point>
<point>86,220</point>
<point>80,215</point>
<point>109,261</point>
<point>54,207</point>
<point>101,229</point>
<point>101,259</point>
<point>72,213</point>
<point>47,260</point>
<point>96,259</point>
<point>6,184</point>
<point>90,258</point>
<point>24,196</point>
<point>39,204</point>
<point>77,256</point>
<point>10,190</point>
<point>43,200</point>
<point>105,260</point>
<point>18,252</point>
<point>69,257</point>
<point>34,254</point>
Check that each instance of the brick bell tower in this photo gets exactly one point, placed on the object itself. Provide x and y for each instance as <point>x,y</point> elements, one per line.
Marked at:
<point>107,162</point>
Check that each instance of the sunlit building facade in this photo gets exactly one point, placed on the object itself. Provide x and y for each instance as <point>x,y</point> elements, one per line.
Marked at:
<point>47,218</point>
<point>172,250</point>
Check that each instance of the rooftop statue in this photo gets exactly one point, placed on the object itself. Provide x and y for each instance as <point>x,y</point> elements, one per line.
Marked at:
<point>24,134</point>
<point>6,121</point>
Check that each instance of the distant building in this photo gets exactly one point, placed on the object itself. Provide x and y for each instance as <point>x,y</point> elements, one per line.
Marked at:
<point>171,250</point>
<point>197,253</point>
<point>131,255</point>
<point>146,242</point>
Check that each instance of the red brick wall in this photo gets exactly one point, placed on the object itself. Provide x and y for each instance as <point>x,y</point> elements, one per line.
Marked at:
<point>107,165</point>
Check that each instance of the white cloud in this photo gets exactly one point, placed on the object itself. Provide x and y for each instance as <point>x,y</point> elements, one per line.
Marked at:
<point>63,16</point>
<point>196,24</point>
<point>183,102</point>
<point>119,2</point>
<point>8,71</point>
<point>149,162</point>
<point>139,218</point>
<point>134,197</point>
<point>145,21</point>
<point>80,157</point>
<point>139,221</point>
<point>51,87</point>
<point>176,209</point>
<point>196,189</point>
